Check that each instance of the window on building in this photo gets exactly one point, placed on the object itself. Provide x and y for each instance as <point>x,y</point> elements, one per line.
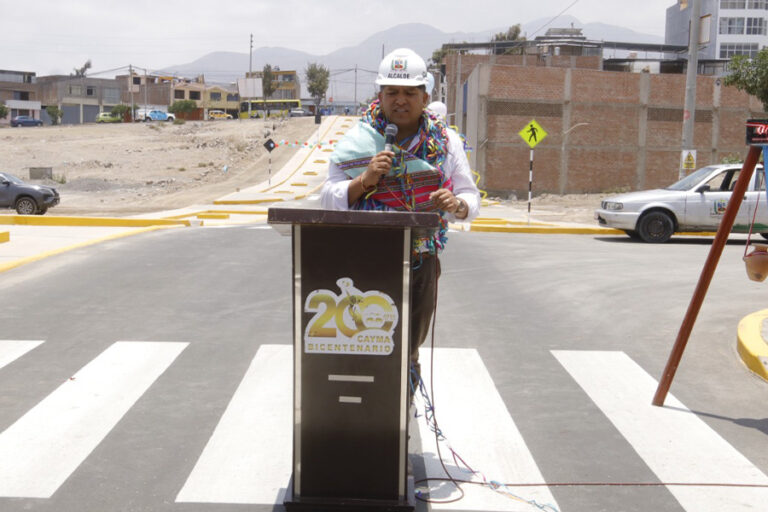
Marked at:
<point>194,95</point>
<point>111,95</point>
<point>137,80</point>
<point>233,97</point>
<point>757,4</point>
<point>733,4</point>
<point>728,50</point>
<point>75,90</point>
<point>756,26</point>
<point>215,96</point>
<point>178,94</point>
<point>21,95</point>
<point>90,90</point>
<point>731,25</point>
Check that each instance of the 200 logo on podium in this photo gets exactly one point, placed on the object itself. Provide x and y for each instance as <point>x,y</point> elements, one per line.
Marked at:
<point>351,322</point>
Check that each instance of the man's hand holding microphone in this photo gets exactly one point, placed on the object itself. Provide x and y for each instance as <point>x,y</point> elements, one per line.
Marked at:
<point>381,164</point>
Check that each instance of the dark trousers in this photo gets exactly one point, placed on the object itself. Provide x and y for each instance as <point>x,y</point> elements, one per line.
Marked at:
<point>426,271</point>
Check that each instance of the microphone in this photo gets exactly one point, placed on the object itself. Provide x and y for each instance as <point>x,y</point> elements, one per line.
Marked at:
<point>389,136</point>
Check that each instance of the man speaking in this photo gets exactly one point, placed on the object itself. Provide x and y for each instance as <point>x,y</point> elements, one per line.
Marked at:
<point>425,170</point>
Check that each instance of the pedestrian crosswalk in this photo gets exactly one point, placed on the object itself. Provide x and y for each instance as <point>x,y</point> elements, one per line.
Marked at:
<point>247,458</point>
<point>47,444</point>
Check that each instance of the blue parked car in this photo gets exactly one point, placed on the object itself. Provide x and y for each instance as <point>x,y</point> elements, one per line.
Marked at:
<point>25,121</point>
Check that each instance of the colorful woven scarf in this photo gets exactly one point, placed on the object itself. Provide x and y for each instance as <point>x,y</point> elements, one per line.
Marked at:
<point>409,191</point>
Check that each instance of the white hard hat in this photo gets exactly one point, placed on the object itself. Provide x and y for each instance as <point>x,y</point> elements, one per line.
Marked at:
<point>402,67</point>
<point>439,108</point>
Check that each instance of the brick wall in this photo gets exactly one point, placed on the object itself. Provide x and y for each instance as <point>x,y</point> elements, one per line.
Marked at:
<point>632,139</point>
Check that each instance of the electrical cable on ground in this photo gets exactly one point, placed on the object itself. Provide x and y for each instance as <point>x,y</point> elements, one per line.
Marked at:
<point>431,419</point>
<point>500,487</point>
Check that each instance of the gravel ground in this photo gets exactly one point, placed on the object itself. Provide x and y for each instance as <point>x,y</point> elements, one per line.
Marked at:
<point>125,169</point>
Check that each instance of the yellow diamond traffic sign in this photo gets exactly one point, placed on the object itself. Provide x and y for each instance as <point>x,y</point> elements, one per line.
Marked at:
<point>533,133</point>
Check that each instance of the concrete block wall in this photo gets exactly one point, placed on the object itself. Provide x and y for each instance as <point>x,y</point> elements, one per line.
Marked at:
<point>607,131</point>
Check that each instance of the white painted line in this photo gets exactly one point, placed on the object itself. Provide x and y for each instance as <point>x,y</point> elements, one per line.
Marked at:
<point>474,419</point>
<point>350,378</point>
<point>10,350</point>
<point>350,399</point>
<point>673,442</point>
<point>248,457</point>
<point>47,444</point>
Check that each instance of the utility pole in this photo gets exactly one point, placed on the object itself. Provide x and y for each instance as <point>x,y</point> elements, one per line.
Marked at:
<point>250,74</point>
<point>689,110</point>
<point>356,107</point>
<point>130,90</point>
<point>146,83</point>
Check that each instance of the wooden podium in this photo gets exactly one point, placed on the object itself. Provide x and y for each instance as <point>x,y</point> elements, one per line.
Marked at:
<point>351,302</point>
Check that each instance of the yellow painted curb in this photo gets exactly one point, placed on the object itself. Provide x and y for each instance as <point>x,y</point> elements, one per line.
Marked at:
<point>553,230</point>
<point>484,222</point>
<point>216,215</point>
<point>115,222</point>
<point>298,184</point>
<point>227,212</point>
<point>4,236</point>
<point>751,345</point>
<point>23,261</point>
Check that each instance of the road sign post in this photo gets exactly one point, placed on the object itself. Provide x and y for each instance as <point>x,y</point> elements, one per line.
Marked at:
<point>532,133</point>
<point>269,145</point>
<point>687,161</point>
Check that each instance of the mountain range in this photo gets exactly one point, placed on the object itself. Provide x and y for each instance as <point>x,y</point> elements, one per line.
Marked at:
<point>346,84</point>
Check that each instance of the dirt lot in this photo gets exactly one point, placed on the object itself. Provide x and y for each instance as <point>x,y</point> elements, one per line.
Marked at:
<point>126,169</point>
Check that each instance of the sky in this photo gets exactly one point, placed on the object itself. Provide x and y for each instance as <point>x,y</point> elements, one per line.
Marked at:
<point>56,36</point>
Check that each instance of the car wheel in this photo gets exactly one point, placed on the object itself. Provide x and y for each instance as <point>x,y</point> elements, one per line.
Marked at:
<point>655,227</point>
<point>764,235</point>
<point>26,206</point>
<point>631,233</point>
<point>42,210</point>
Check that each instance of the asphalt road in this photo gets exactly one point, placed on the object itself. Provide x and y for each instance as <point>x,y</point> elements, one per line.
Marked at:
<point>568,330</point>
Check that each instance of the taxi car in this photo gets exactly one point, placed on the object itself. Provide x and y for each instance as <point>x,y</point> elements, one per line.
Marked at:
<point>694,204</point>
<point>218,114</point>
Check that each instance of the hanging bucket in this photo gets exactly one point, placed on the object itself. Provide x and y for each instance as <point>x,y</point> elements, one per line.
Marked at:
<point>757,262</point>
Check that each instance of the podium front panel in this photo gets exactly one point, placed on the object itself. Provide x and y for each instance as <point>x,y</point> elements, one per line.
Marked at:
<point>351,310</point>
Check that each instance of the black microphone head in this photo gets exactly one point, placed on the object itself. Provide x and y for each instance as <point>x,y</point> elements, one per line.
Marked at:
<point>390,130</point>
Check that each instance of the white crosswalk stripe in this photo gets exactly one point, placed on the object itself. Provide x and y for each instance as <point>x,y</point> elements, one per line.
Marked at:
<point>10,350</point>
<point>462,406</point>
<point>47,444</point>
<point>248,458</point>
<point>677,445</point>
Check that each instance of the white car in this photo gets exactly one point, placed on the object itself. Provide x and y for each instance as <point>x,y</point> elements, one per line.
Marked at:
<point>695,203</point>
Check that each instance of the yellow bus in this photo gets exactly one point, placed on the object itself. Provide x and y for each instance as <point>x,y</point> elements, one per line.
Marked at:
<point>260,107</point>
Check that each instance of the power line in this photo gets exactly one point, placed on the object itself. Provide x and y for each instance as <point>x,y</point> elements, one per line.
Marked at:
<point>553,19</point>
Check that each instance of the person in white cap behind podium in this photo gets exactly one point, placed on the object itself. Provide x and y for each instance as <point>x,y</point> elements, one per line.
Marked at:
<point>426,170</point>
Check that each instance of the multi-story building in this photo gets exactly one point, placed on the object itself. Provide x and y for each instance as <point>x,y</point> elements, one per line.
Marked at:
<point>218,97</point>
<point>79,98</point>
<point>288,86</point>
<point>18,92</point>
<point>610,126</point>
<point>728,27</point>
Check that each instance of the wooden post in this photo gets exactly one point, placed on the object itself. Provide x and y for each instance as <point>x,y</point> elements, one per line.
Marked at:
<point>706,274</point>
